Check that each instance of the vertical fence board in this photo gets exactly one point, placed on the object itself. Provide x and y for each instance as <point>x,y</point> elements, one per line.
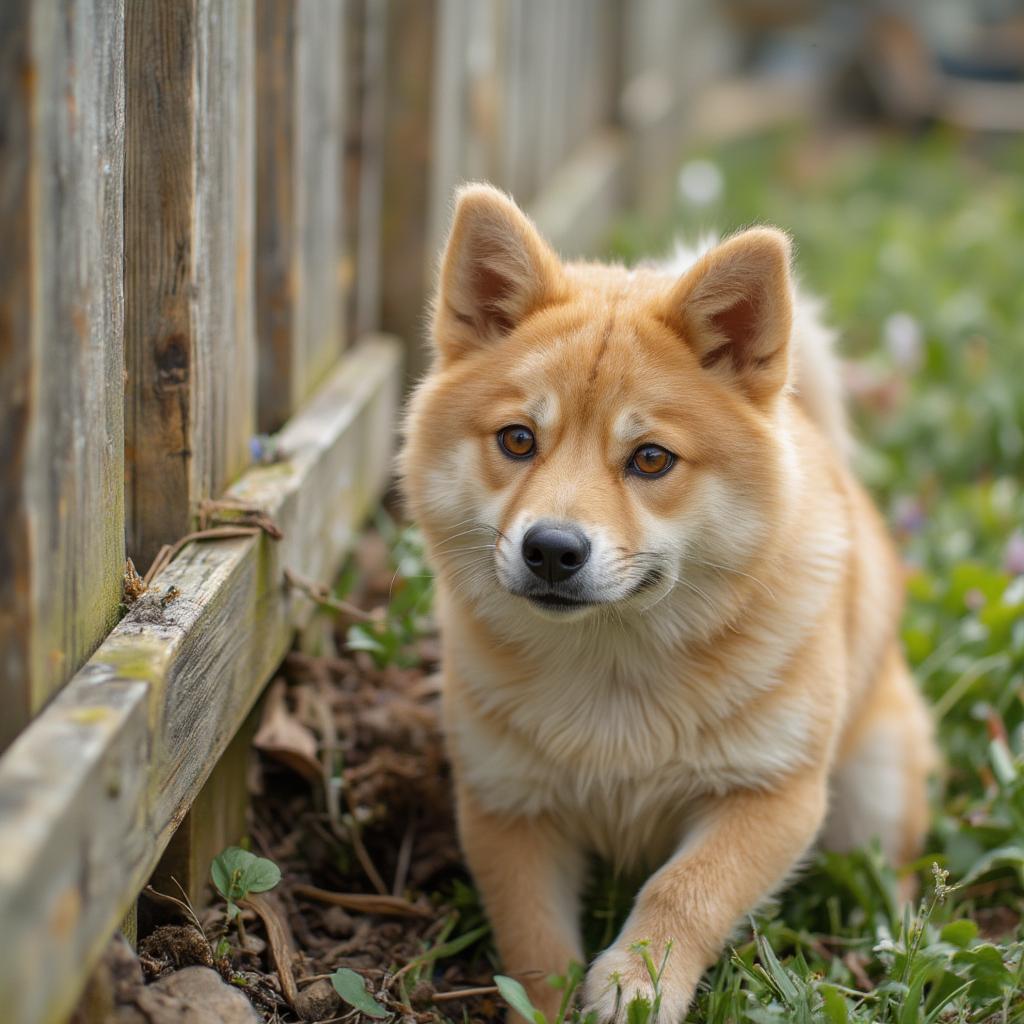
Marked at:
<point>159,272</point>
<point>61,324</point>
<point>17,75</point>
<point>190,326</point>
<point>321,199</point>
<point>447,134</point>
<point>365,146</point>
<point>223,415</point>
<point>407,251</point>
<point>300,134</point>
<point>190,392</point>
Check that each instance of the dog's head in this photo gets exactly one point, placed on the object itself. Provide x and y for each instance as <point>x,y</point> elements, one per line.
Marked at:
<point>590,436</point>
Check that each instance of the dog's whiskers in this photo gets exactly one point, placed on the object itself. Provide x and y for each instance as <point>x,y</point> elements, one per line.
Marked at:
<point>462,533</point>
<point>737,572</point>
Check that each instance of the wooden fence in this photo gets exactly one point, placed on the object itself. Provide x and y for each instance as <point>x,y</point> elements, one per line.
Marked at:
<point>211,209</point>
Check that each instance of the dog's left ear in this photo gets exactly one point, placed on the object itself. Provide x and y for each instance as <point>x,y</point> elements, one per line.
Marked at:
<point>734,308</point>
<point>496,270</point>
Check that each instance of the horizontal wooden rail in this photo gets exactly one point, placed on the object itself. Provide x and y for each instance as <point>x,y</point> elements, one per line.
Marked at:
<point>93,789</point>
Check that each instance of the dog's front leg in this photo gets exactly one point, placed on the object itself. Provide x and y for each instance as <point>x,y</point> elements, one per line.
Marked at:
<point>529,876</point>
<point>741,849</point>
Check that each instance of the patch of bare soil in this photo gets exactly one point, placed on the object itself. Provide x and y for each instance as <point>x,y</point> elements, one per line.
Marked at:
<point>351,799</point>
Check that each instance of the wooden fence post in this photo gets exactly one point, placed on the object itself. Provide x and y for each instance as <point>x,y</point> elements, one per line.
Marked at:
<point>190,319</point>
<point>189,345</point>
<point>61,319</point>
<point>366,92</point>
<point>408,156</point>
<point>300,268</point>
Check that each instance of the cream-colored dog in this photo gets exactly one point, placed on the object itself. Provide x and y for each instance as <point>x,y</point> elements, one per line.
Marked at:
<point>669,612</point>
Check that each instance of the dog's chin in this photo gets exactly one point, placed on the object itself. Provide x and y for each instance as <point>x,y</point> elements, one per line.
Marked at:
<point>556,608</point>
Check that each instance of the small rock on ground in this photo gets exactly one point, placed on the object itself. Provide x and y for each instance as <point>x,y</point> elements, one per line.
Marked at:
<point>193,995</point>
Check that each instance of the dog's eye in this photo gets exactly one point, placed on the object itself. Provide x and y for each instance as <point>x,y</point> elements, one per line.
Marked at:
<point>651,460</point>
<point>517,441</point>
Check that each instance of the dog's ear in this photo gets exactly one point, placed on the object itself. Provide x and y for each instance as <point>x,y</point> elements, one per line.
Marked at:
<point>496,270</point>
<point>734,308</point>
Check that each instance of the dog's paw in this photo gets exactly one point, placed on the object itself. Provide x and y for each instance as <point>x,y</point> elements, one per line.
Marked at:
<point>621,975</point>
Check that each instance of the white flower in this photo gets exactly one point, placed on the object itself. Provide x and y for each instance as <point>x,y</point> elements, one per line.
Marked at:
<point>700,183</point>
<point>903,339</point>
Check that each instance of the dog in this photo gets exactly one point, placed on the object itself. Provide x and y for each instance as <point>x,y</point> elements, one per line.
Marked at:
<point>669,613</point>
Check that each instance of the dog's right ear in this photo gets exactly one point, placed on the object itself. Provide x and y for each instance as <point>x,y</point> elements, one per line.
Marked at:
<point>496,271</point>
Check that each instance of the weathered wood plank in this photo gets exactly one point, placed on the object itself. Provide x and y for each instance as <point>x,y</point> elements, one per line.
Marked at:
<point>224,413</point>
<point>407,252</point>
<point>61,313</point>
<point>300,232</point>
<point>93,790</point>
<point>189,319</point>
<point>216,819</point>
<point>16,78</point>
<point>366,44</point>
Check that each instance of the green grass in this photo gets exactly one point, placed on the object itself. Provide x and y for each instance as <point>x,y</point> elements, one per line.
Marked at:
<point>918,246</point>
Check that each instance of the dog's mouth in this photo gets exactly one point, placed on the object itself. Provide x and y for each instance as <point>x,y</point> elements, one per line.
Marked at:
<point>557,602</point>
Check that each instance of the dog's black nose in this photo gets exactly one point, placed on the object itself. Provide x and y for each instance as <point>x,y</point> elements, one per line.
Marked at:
<point>554,553</point>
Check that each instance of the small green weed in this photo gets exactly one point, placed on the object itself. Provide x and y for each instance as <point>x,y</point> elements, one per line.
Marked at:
<point>237,873</point>
<point>388,640</point>
<point>515,995</point>
<point>352,988</point>
<point>443,948</point>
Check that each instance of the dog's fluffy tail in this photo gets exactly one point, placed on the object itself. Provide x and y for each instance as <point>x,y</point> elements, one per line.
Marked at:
<point>817,377</point>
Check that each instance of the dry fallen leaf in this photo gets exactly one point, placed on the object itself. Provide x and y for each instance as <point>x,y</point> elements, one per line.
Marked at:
<point>284,738</point>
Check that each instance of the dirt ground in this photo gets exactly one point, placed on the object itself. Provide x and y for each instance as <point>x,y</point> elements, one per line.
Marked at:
<point>351,799</point>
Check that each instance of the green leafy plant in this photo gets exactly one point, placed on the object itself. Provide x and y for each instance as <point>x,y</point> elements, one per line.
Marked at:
<point>443,948</point>
<point>641,1010</point>
<point>389,638</point>
<point>237,873</point>
<point>516,996</point>
<point>352,988</point>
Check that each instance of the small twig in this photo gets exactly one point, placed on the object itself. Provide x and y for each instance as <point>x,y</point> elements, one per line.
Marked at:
<point>464,993</point>
<point>280,947</point>
<point>169,552</point>
<point>321,595</point>
<point>363,903</point>
<point>404,858</point>
<point>355,836</point>
<point>158,564</point>
<point>858,972</point>
<point>312,978</point>
<point>246,515</point>
<point>184,904</point>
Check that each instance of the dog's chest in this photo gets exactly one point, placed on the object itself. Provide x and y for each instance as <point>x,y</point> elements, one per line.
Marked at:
<point>617,753</point>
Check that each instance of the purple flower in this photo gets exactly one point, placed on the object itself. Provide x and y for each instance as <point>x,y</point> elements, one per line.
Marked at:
<point>1013,559</point>
<point>908,514</point>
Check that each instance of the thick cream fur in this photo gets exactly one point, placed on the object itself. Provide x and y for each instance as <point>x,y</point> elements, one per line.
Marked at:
<point>699,728</point>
